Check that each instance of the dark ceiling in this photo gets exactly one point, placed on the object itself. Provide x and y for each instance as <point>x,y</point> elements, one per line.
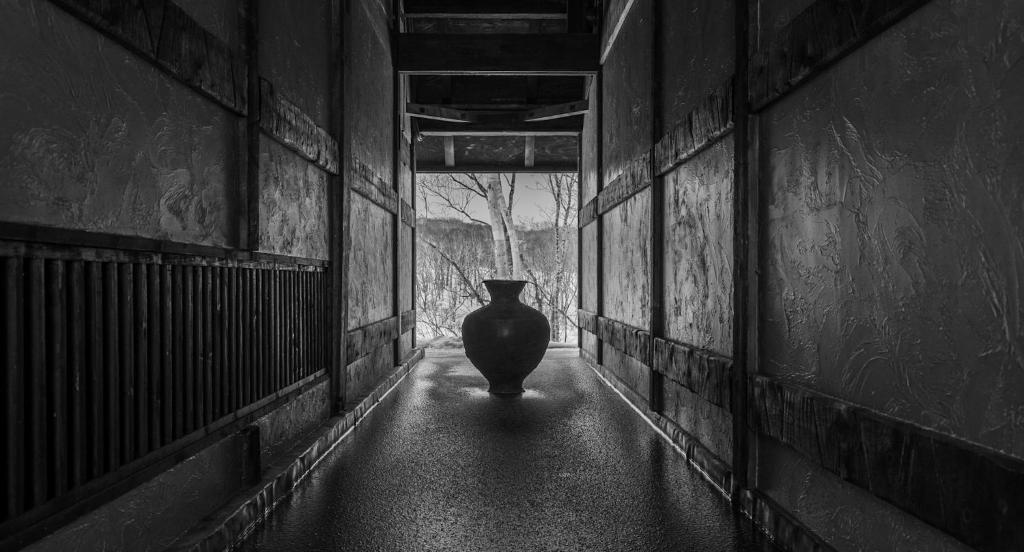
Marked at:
<point>499,85</point>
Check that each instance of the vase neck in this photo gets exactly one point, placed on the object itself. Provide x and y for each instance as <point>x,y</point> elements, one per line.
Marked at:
<point>504,291</point>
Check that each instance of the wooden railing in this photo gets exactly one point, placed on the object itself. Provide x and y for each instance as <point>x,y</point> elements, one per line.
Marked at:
<point>116,360</point>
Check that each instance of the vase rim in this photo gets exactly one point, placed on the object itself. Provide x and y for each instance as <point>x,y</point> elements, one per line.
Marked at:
<point>505,281</point>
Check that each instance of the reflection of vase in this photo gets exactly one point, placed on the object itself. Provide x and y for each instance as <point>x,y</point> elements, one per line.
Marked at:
<point>506,339</point>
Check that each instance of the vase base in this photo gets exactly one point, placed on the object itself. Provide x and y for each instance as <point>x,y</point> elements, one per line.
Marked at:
<point>506,390</point>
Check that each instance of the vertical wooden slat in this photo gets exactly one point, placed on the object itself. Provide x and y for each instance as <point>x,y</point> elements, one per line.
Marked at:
<point>35,349</point>
<point>236,339</point>
<point>56,366</point>
<point>199,344</point>
<point>210,357</point>
<point>14,477</point>
<point>218,342</point>
<point>235,376</point>
<point>141,364</point>
<point>154,363</point>
<point>261,331</point>
<point>188,348</point>
<point>168,335</point>
<point>178,340</point>
<point>274,331</point>
<point>95,394</point>
<point>112,358</point>
<point>127,363</point>
<point>300,324</point>
<point>289,309</point>
<point>226,376</point>
<point>247,340</point>
<point>77,356</point>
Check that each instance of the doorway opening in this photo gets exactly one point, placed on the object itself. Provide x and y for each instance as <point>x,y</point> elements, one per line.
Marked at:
<point>477,226</point>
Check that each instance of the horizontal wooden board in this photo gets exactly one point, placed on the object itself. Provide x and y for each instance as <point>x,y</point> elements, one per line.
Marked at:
<point>48,242</point>
<point>700,371</point>
<point>629,340</point>
<point>497,54</point>
<point>365,340</point>
<point>635,178</point>
<point>296,130</point>
<point>972,493</point>
<point>700,128</point>
<point>373,186</point>
<point>820,35</point>
<point>164,34</point>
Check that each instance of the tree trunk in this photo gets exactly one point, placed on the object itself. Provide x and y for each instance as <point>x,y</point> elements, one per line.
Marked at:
<point>506,239</point>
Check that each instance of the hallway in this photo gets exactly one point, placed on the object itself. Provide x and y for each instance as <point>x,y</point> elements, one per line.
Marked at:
<point>442,465</point>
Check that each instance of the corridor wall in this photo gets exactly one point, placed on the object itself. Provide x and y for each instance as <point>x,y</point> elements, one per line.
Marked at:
<point>800,234</point>
<point>188,284</point>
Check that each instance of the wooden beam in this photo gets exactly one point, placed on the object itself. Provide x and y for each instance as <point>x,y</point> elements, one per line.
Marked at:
<point>528,151</point>
<point>508,9</point>
<point>503,126</point>
<point>449,151</point>
<point>439,113</point>
<point>492,168</point>
<point>559,111</point>
<point>497,54</point>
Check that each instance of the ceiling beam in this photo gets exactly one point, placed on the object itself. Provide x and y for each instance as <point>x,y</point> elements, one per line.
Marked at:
<point>498,54</point>
<point>439,113</point>
<point>569,166</point>
<point>508,9</point>
<point>508,126</point>
<point>550,112</point>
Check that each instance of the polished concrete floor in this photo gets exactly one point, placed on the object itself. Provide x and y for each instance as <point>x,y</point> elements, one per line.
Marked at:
<point>442,465</point>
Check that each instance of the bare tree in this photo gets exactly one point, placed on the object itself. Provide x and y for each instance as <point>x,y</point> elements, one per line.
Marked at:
<point>457,191</point>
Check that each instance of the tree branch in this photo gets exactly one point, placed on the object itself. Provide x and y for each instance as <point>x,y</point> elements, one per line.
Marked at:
<point>458,269</point>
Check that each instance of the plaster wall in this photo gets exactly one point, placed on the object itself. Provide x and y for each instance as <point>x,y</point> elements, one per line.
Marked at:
<point>892,251</point>
<point>293,203</point>
<point>101,140</point>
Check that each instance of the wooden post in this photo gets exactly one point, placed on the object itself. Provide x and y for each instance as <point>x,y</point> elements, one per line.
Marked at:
<point>250,12</point>
<point>397,110</point>
<point>742,269</point>
<point>339,213</point>
<point>657,248</point>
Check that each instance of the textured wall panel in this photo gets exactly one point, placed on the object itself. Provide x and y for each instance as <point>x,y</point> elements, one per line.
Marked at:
<point>895,234</point>
<point>295,53</point>
<point>405,271</point>
<point>365,373</point>
<point>370,264</point>
<point>628,370</point>
<point>847,517</point>
<point>698,250</point>
<point>369,84</point>
<point>102,141</point>
<point>697,54</point>
<point>293,203</point>
<point>627,93</point>
<point>588,268</point>
<point>627,263</point>
<point>710,424</point>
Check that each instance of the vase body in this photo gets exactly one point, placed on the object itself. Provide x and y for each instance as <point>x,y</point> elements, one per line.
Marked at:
<point>506,339</point>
